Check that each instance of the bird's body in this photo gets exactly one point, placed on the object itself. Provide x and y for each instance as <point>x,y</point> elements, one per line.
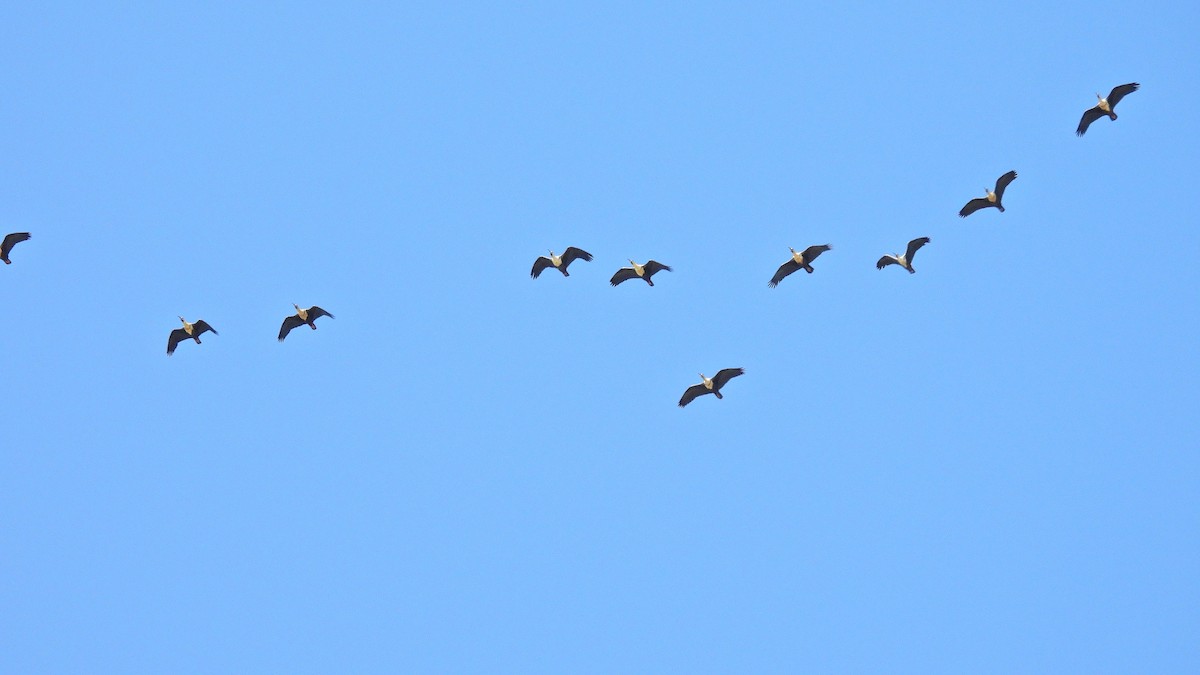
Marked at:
<point>992,198</point>
<point>189,330</point>
<point>301,317</point>
<point>710,385</point>
<point>904,260</point>
<point>1104,106</point>
<point>10,241</point>
<point>800,260</point>
<point>559,263</point>
<point>636,271</point>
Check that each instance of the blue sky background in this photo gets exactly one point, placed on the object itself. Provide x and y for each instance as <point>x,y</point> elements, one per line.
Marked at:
<point>989,466</point>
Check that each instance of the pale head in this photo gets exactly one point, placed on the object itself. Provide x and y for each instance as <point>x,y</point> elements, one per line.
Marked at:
<point>183,320</point>
<point>297,307</point>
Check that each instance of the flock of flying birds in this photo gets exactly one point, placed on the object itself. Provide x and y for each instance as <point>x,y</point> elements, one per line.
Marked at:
<point>800,260</point>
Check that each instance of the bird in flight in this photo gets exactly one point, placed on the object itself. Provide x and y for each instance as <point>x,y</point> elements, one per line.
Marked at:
<point>710,386</point>
<point>992,198</point>
<point>302,316</point>
<point>559,262</point>
<point>1104,106</point>
<point>9,242</point>
<point>905,260</point>
<point>643,272</point>
<point>189,330</point>
<point>800,261</point>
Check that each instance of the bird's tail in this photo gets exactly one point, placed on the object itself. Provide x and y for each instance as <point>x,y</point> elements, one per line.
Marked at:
<point>1001,207</point>
<point>911,271</point>
<point>313,325</point>
<point>808,268</point>
<point>717,394</point>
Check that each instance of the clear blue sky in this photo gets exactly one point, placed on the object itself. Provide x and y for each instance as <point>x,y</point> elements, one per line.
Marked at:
<point>988,466</point>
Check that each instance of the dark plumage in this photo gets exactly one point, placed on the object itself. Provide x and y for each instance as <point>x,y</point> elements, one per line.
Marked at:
<point>559,262</point>
<point>799,261</point>
<point>1104,106</point>
<point>708,386</point>
<point>905,260</point>
<point>9,242</point>
<point>993,198</point>
<point>646,271</point>
<point>302,316</point>
<point>189,330</point>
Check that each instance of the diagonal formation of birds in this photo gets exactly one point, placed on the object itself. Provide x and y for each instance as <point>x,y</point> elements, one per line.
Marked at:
<point>800,260</point>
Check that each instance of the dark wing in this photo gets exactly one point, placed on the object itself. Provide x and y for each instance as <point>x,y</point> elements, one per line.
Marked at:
<point>1119,92</point>
<point>692,392</point>
<point>177,336</point>
<point>1002,182</point>
<point>726,375</point>
<point>784,270</point>
<point>288,324</point>
<point>623,274</point>
<point>572,253</point>
<point>1090,115</point>
<point>10,241</point>
<point>652,267</point>
<point>913,247</point>
<point>885,261</point>
<point>315,312</point>
<point>201,326</point>
<point>540,264</point>
<point>810,254</point>
<point>974,205</point>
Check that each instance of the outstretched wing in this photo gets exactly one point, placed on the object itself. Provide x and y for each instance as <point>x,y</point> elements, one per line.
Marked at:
<point>974,205</point>
<point>314,312</point>
<point>913,247</point>
<point>572,253</point>
<point>540,264</point>
<point>1119,92</point>
<point>288,324</point>
<point>810,254</point>
<point>1002,182</point>
<point>177,336</point>
<point>1090,115</point>
<point>692,392</point>
<point>781,273</point>
<point>201,326</point>
<point>622,275</point>
<point>726,375</point>
<point>652,267</point>
<point>10,241</point>
<point>885,261</point>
